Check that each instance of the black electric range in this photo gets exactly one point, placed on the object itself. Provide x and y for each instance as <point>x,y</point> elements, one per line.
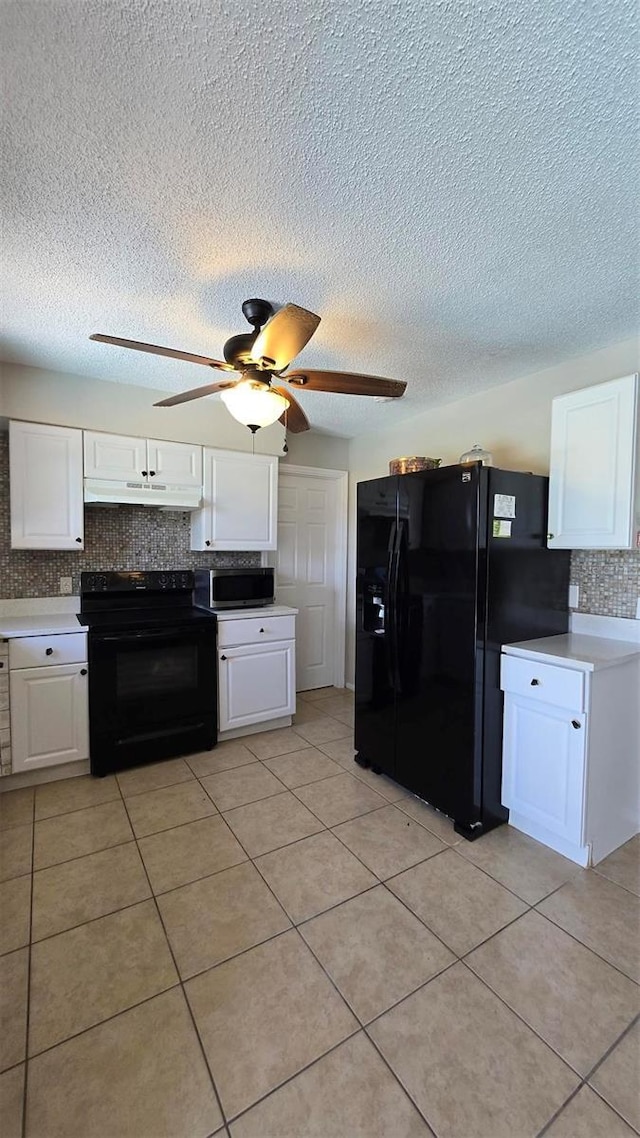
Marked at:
<point>152,668</point>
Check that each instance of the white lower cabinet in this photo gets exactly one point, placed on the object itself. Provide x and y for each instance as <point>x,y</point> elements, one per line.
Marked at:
<point>256,671</point>
<point>49,701</point>
<point>256,683</point>
<point>544,765</point>
<point>571,747</point>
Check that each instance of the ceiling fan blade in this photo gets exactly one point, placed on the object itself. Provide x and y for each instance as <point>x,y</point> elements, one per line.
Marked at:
<point>156,350</point>
<point>196,393</point>
<point>347,383</point>
<point>294,418</point>
<point>285,335</point>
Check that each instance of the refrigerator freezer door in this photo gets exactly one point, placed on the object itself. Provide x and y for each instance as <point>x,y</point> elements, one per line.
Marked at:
<point>376,663</point>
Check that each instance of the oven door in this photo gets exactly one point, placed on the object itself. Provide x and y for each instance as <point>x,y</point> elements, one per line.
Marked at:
<point>152,694</point>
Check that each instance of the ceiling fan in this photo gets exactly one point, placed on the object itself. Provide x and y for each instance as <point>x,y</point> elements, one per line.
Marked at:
<point>260,357</point>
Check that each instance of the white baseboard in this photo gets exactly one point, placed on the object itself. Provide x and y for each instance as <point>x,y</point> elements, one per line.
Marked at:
<point>45,774</point>
<point>255,728</point>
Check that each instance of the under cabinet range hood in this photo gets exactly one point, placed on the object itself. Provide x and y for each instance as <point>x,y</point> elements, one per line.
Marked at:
<point>104,492</point>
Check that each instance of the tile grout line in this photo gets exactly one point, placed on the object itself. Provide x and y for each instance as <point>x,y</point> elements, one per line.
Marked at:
<point>585,1083</point>
<point>581,942</point>
<point>28,992</point>
<point>607,1053</point>
<point>594,869</point>
<point>180,983</point>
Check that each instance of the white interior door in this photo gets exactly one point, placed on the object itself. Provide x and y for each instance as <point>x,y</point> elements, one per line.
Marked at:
<point>311,570</point>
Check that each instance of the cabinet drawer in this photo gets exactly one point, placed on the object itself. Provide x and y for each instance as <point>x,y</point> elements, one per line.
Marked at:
<point>63,648</point>
<point>546,683</point>
<point>255,630</point>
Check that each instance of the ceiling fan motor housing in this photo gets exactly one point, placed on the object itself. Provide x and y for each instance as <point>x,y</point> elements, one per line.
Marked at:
<point>237,350</point>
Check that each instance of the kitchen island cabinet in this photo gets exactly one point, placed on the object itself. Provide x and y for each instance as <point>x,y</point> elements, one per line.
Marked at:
<point>571,744</point>
<point>256,670</point>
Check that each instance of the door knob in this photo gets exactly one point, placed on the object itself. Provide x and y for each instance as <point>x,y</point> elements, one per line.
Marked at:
<point>223,657</point>
<point>576,723</point>
<point>79,539</point>
<point>143,473</point>
<point>207,543</point>
<point>83,671</point>
<point>152,474</point>
<point>262,629</point>
<point>48,651</point>
<point>535,683</point>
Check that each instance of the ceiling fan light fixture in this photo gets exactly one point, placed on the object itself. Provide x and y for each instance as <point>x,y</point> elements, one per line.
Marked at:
<point>254,404</point>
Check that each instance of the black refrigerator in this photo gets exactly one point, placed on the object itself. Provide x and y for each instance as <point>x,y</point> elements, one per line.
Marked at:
<point>452,564</point>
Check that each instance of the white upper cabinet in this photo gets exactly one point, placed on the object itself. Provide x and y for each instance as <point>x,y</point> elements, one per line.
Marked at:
<point>594,477</point>
<point>120,458</point>
<point>240,502</point>
<point>176,464</point>
<point>123,458</point>
<point>47,510</point>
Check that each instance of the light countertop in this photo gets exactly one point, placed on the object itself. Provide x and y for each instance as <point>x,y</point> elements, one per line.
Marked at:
<point>257,612</point>
<point>45,624</point>
<point>573,650</point>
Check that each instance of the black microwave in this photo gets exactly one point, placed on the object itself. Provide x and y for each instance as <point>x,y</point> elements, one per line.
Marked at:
<point>233,588</point>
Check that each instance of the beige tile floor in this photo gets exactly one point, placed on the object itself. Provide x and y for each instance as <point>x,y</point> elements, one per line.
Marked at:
<point>265,941</point>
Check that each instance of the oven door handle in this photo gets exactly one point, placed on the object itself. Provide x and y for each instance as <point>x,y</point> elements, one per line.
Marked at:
<point>159,634</point>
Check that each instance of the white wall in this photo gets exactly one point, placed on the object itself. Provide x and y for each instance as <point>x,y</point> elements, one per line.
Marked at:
<point>513,421</point>
<point>315,449</point>
<point>40,396</point>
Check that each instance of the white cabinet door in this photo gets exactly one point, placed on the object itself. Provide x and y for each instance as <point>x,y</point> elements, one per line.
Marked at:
<point>543,773</point>
<point>240,502</point>
<point>593,475</point>
<point>255,682</point>
<point>177,464</point>
<point>49,716</point>
<point>120,458</point>
<point>47,508</point>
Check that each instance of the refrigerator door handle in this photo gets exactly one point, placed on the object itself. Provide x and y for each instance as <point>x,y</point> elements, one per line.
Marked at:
<point>390,608</point>
<point>396,607</point>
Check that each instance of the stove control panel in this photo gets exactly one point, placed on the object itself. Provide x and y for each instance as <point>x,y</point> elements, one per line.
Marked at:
<point>133,581</point>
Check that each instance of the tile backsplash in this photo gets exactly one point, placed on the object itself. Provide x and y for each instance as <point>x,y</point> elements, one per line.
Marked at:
<point>121,537</point>
<point>608,580</point>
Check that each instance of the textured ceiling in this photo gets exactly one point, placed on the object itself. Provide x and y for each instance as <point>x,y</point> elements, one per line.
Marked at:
<point>448,183</point>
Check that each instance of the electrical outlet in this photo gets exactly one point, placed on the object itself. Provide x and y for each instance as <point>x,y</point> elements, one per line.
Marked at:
<point>66,585</point>
<point>574,596</point>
